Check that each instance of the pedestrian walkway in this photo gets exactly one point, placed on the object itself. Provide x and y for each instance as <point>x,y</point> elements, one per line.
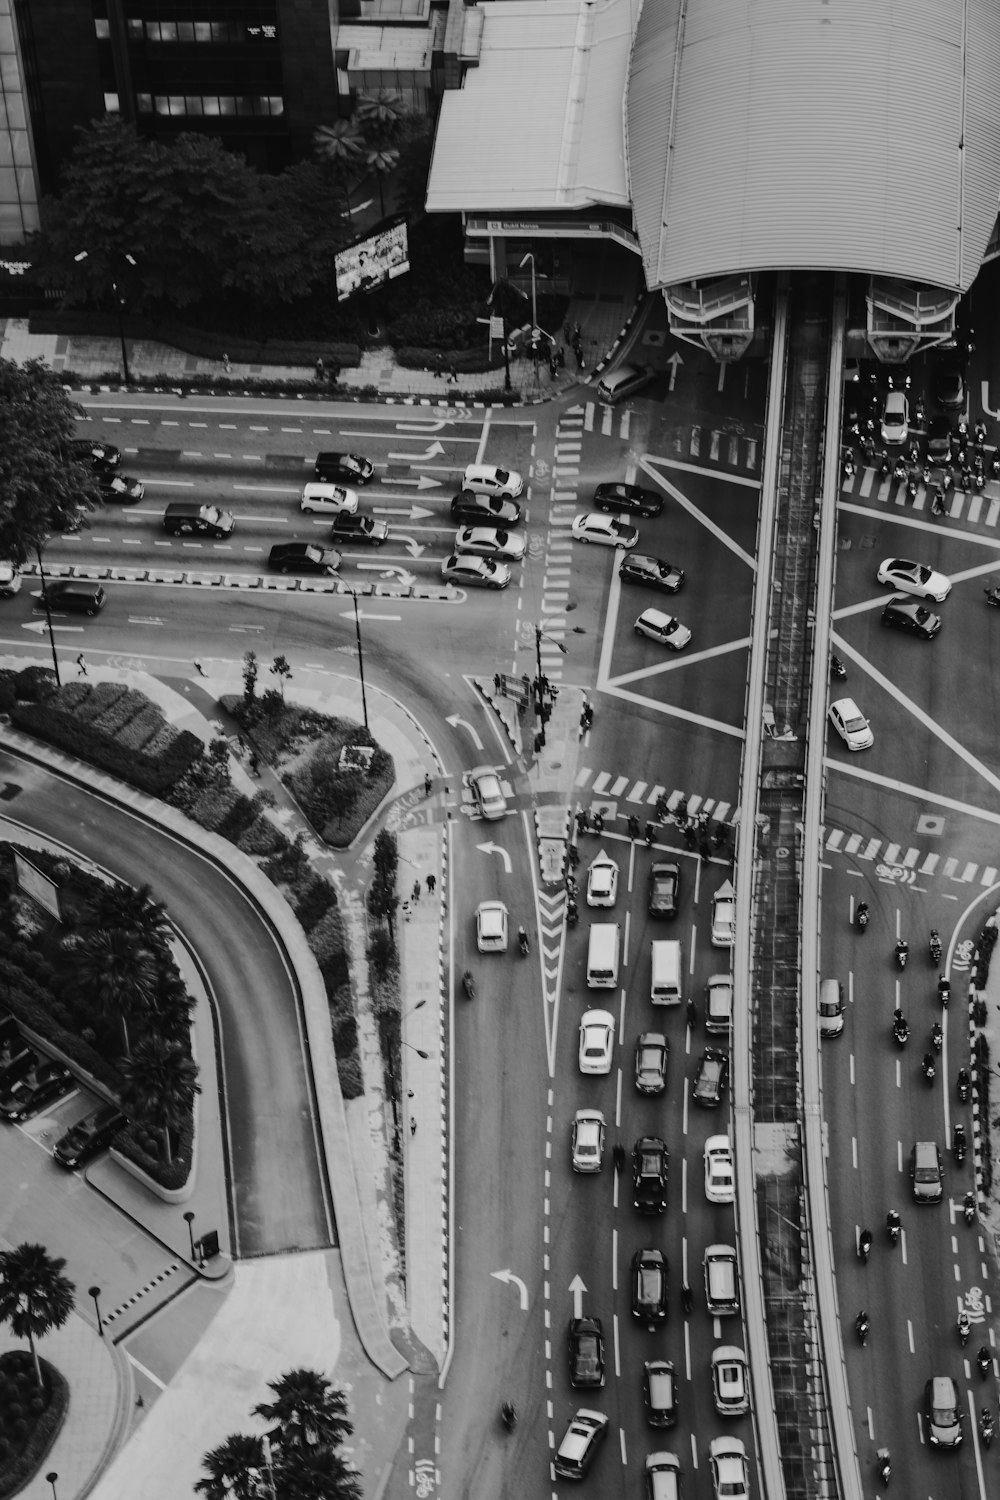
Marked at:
<point>975,508</point>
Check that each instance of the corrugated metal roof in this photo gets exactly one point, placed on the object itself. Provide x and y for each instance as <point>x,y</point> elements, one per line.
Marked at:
<point>539,124</point>
<point>861,135</point>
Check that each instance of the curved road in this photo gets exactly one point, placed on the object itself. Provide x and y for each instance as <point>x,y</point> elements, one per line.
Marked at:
<point>277,1180</point>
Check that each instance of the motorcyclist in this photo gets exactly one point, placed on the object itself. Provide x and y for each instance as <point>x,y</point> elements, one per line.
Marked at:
<point>902,951</point>
<point>958,1141</point>
<point>928,1065</point>
<point>937,1036</point>
<point>963,1084</point>
<point>864,1243</point>
<point>969,1207</point>
<point>508,1411</point>
<point>986,1425</point>
<point>522,939</point>
<point>964,1326</point>
<point>984,1359</point>
<point>861,1325</point>
<point>862,912</point>
<point>469,984</point>
<point>884,1465</point>
<point>893,1223</point>
<point>944,991</point>
<point>935,944</point>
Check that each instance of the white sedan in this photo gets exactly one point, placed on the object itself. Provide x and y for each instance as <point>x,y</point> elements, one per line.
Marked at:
<point>604,530</point>
<point>730,1381</point>
<point>597,1039</point>
<point>724,916</point>
<point>664,629</point>
<point>491,927</point>
<point>489,541</point>
<point>720,1182</point>
<point>602,881</point>
<point>851,724</point>
<point>328,500</point>
<point>895,419</point>
<point>588,1140</point>
<point>914,578</point>
<point>727,1460</point>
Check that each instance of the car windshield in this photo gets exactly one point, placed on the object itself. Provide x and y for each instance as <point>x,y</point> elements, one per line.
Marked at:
<point>854,724</point>
<point>649,1283</point>
<point>312,554</point>
<point>649,1164</point>
<point>502,476</point>
<point>620,529</point>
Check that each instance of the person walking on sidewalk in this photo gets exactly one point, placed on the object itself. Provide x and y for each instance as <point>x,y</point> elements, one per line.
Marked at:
<point>81,662</point>
<point>415,893</point>
<point>254,763</point>
<point>427,784</point>
<point>199,668</point>
<point>431,884</point>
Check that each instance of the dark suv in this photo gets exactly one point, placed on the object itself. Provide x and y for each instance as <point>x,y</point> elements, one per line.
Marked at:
<point>484,510</point>
<point>100,456</point>
<point>343,468</point>
<point>649,1285</point>
<point>649,1175</point>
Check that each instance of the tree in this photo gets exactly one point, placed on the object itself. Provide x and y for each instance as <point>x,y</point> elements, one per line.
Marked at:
<point>382,160</point>
<point>249,677</point>
<point>122,978</point>
<point>35,1296</point>
<point>130,909</point>
<point>318,1473</point>
<point>279,668</point>
<point>234,1469</point>
<point>308,1410</point>
<point>160,1084</point>
<point>40,480</point>
<point>382,116</point>
<point>340,146</point>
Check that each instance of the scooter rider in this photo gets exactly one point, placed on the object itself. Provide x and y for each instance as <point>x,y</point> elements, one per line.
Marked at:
<point>969,1207</point>
<point>964,1326</point>
<point>893,1224</point>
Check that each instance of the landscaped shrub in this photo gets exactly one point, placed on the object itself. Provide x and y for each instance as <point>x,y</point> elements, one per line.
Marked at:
<point>213,805</point>
<point>8,697</point>
<point>261,838</point>
<point>140,732</point>
<point>238,819</point>
<point>155,775</point>
<point>97,701</point>
<point>121,713</point>
<point>27,1441</point>
<point>290,866</point>
<point>34,684</point>
<point>315,901</point>
<point>352,1084</point>
<point>326,938</point>
<point>345,1033</point>
<point>335,970</point>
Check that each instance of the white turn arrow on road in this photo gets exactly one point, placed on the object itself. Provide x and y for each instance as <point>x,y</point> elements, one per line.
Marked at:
<point>410,512</point>
<point>578,1286</point>
<point>413,548</point>
<point>364,614</point>
<point>423,483</point>
<point>389,570</point>
<point>420,458</point>
<point>492,848</point>
<point>456,720</point>
<point>512,1280</point>
<point>39,627</point>
<point>674,361</point>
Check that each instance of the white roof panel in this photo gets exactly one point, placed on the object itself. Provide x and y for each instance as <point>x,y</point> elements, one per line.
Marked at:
<point>538,124</point>
<point>850,135</point>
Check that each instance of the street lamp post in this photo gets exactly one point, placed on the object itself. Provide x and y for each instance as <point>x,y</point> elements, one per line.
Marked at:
<point>534,304</point>
<point>95,1292</point>
<point>48,615</point>
<point>119,305</point>
<point>51,1477</point>
<point>189,1220</point>
<point>539,693</point>
<point>361,658</point>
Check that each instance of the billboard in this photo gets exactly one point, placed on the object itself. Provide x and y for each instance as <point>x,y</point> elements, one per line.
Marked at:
<point>372,260</point>
<point>31,882</point>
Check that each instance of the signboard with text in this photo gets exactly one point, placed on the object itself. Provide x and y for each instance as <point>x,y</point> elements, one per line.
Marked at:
<point>373,260</point>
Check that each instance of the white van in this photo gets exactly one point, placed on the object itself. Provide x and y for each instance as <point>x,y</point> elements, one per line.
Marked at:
<point>666,967</point>
<point>603,952</point>
<point>615,385</point>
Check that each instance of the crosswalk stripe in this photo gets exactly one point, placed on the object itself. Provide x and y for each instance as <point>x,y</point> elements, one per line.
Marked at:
<point>656,793</point>
<point>621,782</point>
<point>601,781</point>
<point>721,812</point>
<point>871,849</point>
<point>950,866</point>
<point>892,854</point>
<point>606,419</point>
<point>834,839</point>
<point>638,792</point>
<point>930,864</point>
<point>588,420</point>
<point>993,512</point>
<point>969,873</point>
<point>867,480</point>
<point>975,507</point>
<point>910,858</point>
<point>694,803</point>
<point>988,876</point>
<point>674,800</point>
<point>853,844</point>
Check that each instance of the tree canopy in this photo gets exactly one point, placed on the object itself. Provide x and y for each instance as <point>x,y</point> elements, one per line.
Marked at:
<point>35,1296</point>
<point>41,483</point>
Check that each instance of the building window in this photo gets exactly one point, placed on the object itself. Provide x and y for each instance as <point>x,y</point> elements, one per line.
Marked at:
<point>112,104</point>
<point>102,29</point>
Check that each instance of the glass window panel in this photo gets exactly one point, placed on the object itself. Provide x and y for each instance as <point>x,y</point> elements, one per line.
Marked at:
<point>6,34</point>
<point>177,104</point>
<point>192,105</point>
<point>168,31</point>
<point>211,105</point>
<point>244,104</point>
<point>112,104</point>
<point>144,103</point>
<point>227,105</point>
<point>203,31</point>
<point>185,31</point>
<point>161,104</point>
<point>102,29</point>
<point>135,30</point>
<point>277,104</point>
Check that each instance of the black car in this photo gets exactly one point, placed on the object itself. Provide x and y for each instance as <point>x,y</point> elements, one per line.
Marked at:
<point>27,1095</point>
<point>303,557</point>
<point>903,613</point>
<point>651,573</point>
<point>664,889</point>
<point>348,528</point>
<point>949,387</point>
<point>586,1353</point>
<point>710,1079</point>
<point>120,487</point>
<point>88,1136</point>
<point>649,1285</point>
<point>343,468</point>
<point>75,596</point>
<point>484,510</point>
<point>649,1175</point>
<point>100,456</point>
<point>630,498</point>
<point>939,441</point>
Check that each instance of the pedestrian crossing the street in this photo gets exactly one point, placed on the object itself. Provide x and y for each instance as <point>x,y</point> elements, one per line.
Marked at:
<point>980,508</point>
<point>896,861</point>
<point>628,795</point>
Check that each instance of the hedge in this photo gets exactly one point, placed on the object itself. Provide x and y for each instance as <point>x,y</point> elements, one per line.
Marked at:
<point>35,683</point>
<point>200,342</point>
<point>99,699</point>
<point>326,938</point>
<point>66,732</point>
<point>139,732</point>
<point>142,1146</point>
<point>261,838</point>
<point>315,901</point>
<point>15,1472</point>
<point>39,1010</point>
<point>241,815</point>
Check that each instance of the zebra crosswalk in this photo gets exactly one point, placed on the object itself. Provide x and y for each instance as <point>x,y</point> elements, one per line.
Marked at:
<point>982,508</point>
<point>911,861</point>
<point>627,794</point>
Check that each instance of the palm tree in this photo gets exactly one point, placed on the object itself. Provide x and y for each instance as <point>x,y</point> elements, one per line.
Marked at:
<point>160,1084</point>
<point>119,976</point>
<point>128,908</point>
<point>308,1410</point>
<point>318,1473</point>
<point>381,115</point>
<point>382,160</point>
<point>234,1469</point>
<point>341,145</point>
<point>35,1296</point>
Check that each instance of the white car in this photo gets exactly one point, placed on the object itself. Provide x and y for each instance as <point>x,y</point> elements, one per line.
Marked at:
<point>491,927</point>
<point>724,916</point>
<point>604,530</point>
<point>488,479</point>
<point>720,1182</point>
<point>914,578</point>
<point>664,629</point>
<point>602,881</point>
<point>730,1381</point>
<point>718,1003</point>
<point>489,541</point>
<point>851,724</point>
<point>328,500</point>
<point>487,793</point>
<point>895,419</point>
<point>588,1140</point>
<point>727,1459</point>
<point>10,578</point>
<point>597,1040</point>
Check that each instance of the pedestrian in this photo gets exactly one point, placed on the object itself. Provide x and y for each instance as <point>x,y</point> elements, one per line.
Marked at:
<point>431,883</point>
<point>598,822</point>
<point>574,856</point>
<point>688,834</point>
<point>581,821</point>
<point>415,893</point>
<point>333,374</point>
<point>199,668</point>
<point>320,368</point>
<point>633,826</point>
<point>704,847</point>
<point>254,763</point>
<point>619,1158</point>
<point>561,357</point>
<point>453,375</point>
<point>687,1299</point>
<point>226,365</point>
<point>81,662</point>
<point>427,784</point>
<point>496,683</point>
<point>577,333</point>
<point>526,684</point>
<point>692,1014</point>
<point>413,1126</point>
<point>406,910</point>
<point>662,808</point>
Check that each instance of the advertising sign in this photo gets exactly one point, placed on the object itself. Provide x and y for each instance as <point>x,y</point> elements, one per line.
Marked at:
<point>373,260</point>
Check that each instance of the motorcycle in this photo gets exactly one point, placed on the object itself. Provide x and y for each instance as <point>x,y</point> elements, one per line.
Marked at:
<point>937,1036</point>
<point>837,669</point>
<point>884,1465</point>
<point>572,914</point>
<point>522,942</point>
<point>984,1361</point>
<point>894,1225</point>
<point>928,1069</point>
<point>935,947</point>
<point>900,1029</point>
<point>993,597</point>
<point>861,915</point>
<point>469,985</point>
<point>995,467</point>
<point>864,1245</point>
<point>885,464</point>
<point>964,1328</point>
<point>958,1144</point>
<point>963,1085</point>
<point>508,1415</point>
<point>944,991</point>
<point>969,1207</point>
<point>899,471</point>
<point>901,953</point>
<point>649,834</point>
<point>861,1326</point>
<point>986,1426</point>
